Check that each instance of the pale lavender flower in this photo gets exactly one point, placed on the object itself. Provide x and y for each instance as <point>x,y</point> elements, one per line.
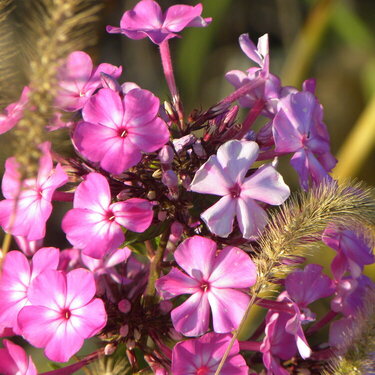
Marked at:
<point>224,175</point>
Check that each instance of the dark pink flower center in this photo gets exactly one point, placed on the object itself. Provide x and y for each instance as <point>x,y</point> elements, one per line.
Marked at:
<point>122,132</point>
<point>66,314</point>
<point>205,286</point>
<point>203,370</point>
<point>110,216</point>
<point>235,190</point>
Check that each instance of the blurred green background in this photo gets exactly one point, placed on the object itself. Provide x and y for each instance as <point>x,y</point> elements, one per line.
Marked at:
<point>332,41</point>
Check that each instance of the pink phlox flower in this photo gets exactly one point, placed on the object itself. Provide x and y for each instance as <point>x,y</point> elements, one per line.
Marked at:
<point>14,112</point>
<point>269,91</point>
<point>29,201</point>
<point>95,224</point>
<point>304,287</point>
<point>147,20</point>
<point>14,361</point>
<point>213,282</point>
<point>350,294</point>
<point>116,130</point>
<point>202,356</point>
<point>17,276</point>
<point>78,80</point>
<point>308,285</point>
<point>353,251</point>
<point>57,122</point>
<point>28,247</point>
<point>63,313</point>
<point>298,128</point>
<point>277,343</point>
<point>224,175</point>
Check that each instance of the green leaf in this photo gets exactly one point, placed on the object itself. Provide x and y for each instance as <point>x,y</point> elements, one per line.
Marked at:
<point>150,234</point>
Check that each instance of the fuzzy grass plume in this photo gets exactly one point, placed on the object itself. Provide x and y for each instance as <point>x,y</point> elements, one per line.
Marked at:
<point>9,76</point>
<point>58,27</point>
<point>293,231</point>
<point>358,347</point>
<point>297,227</point>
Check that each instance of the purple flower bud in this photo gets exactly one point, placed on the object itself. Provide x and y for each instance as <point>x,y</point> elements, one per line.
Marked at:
<point>199,150</point>
<point>183,142</point>
<point>109,349</point>
<point>124,306</point>
<point>109,82</point>
<point>124,330</point>
<point>166,155</point>
<point>170,179</point>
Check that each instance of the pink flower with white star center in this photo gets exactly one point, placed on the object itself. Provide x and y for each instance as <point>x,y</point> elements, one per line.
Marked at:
<point>212,280</point>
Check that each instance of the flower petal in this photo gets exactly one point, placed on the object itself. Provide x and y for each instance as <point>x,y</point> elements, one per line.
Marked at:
<point>228,308</point>
<point>236,157</point>
<point>266,185</point>
<point>219,217</point>
<point>192,317</point>
<point>175,284</point>
<point>233,268</point>
<point>251,217</point>
<point>196,255</point>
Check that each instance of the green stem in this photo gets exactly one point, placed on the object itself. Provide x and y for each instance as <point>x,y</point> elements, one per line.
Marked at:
<point>155,266</point>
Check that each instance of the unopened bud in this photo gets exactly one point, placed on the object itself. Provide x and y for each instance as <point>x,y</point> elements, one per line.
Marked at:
<point>124,330</point>
<point>166,155</point>
<point>109,82</point>
<point>157,174</point>
<point>185,141</point>
<point>109,349</point>
<point>199,150</point>
<point>169,179</point>
<point>124,306</point>
<point>151,195</point>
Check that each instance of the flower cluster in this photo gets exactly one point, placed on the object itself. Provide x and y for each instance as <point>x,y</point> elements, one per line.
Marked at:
<point>167,212</point>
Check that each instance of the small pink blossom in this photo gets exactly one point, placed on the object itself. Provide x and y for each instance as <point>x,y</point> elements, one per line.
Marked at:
<point>147,20</point>
<point>14,112</point>
<point>202,356</point>
<point>224,175</point>
<point>14,361</point>
<point>212,280</point>
<point>63,313</point>
<point>116,130</point>
<point>78,80</point>
<point>95,224</point>
<point>17,275</point>
<point>29,201</point>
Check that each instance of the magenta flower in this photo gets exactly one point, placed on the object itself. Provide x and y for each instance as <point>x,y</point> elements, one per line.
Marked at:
<point>14,361</point>
<point>78,80</point>
<point>94,225</point>
<point>63,313</point>
<point>202,356</point>
<point>147,19</point>
<point>14,112</point>
<point>212,282</point>
<point>298,128</point>
<point>115,131</point>
<point>353,251</point>
<point>224,175</point>
<point>17,275</point>
<point>277,343</point>
<point>33,198</point>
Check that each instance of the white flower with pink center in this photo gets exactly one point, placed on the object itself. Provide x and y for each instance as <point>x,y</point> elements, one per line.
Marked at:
<point>224,175</point>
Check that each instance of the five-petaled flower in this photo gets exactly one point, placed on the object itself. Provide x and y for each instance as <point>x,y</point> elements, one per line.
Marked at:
<point>224,174</point>
<point>147,20</point>
<point>212,280</point>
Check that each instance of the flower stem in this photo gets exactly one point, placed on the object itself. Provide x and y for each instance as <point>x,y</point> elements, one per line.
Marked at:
<point>155,266</point>
<point>253,346</point>
<point>166,62</point>
<point>243,90</point>
<point>250,118</point>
